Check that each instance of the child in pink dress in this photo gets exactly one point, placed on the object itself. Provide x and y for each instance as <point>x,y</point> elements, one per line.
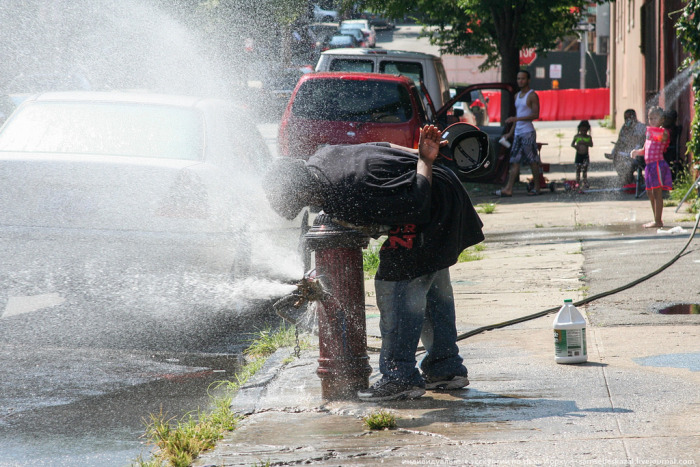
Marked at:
<point>657,173</point>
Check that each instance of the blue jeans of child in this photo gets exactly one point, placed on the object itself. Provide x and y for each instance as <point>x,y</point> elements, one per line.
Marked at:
<point>421,308</point>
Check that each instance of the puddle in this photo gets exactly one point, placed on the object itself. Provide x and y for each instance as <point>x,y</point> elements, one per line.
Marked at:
<point>682,309</point>
<point>690,361</point>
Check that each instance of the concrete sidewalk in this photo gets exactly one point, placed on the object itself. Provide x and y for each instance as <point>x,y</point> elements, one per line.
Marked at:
<point>636,401</point>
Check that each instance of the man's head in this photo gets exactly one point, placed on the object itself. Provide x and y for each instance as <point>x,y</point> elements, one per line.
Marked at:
<point>630,116</point>
<point>523,79</point>
<point>290,186</point>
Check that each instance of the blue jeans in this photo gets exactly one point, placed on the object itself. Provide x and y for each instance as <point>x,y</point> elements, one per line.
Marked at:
<point>421,308</point>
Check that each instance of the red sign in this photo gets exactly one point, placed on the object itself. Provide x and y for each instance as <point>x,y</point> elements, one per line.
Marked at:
<point>527,56</point>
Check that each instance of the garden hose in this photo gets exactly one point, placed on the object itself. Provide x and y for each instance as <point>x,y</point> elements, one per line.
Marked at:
<point>585,301</point>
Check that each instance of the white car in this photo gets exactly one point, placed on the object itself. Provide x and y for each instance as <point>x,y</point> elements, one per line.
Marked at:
<point>367,30</point>
<point>151,198</point>
<point>324,16</point>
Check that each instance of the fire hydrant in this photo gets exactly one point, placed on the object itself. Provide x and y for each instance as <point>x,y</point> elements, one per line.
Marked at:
<point>343,364</point>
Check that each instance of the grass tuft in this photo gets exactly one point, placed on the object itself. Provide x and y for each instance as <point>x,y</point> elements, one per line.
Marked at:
<point>681,186</point>
<point>472,253</point>
<point>486,208</point>
<point>381,420</point>
<point>268,341</point>
<point>370,260</point>
<point>179,442</point>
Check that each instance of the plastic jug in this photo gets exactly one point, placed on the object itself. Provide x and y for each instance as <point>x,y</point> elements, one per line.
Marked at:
<point>569,335</point>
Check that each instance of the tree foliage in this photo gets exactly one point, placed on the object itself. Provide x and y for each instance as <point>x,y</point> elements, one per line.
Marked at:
<point>498,29</point>
<point>688,32</point>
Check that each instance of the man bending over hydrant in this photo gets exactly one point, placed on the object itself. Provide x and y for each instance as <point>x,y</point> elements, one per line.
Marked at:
<point>431,220</point>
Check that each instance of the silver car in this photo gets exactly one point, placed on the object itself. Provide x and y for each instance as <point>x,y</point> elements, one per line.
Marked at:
<point>141,197</point>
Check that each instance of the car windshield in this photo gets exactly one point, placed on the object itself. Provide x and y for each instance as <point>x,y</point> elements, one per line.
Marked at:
<point>353,100</point>
<point>101,128</point>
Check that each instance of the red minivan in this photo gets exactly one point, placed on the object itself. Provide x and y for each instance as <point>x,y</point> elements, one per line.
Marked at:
<point>350,108</point>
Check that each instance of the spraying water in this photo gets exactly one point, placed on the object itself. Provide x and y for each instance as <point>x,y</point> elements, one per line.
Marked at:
<point>131,44</point>
<point>102,45</point>
<point>673,89</point>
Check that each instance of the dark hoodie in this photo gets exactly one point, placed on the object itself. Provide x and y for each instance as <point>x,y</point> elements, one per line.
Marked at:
<point>374,184</point>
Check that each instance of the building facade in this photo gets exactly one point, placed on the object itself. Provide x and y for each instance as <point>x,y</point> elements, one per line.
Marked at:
<point>644,58</point>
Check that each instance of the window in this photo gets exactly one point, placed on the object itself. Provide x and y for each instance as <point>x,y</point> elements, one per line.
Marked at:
<point>353,101</point>
<point>411,70</point>
<point>110,129</point>
<point>348,64</point>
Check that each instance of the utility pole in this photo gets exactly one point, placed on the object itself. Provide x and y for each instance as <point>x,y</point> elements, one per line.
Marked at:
<point>584,29</point>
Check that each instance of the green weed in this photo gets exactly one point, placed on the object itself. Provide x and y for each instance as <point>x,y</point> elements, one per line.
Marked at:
<point>681,186</point>
<point>268,341</point>
<point>472,253</point>
<point>381,420</point>
<point>486,208</point>
<point>179,442</point>
<point>370,260</point>
<point>607,122</point>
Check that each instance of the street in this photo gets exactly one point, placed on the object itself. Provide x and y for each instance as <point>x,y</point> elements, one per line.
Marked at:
<point>80,376</point>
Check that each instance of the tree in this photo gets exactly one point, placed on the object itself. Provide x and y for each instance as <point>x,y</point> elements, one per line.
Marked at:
<point>688,31</point>
<point>498,29</point>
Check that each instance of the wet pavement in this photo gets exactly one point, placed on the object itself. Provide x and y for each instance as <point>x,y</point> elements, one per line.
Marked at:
<point>635,402</point>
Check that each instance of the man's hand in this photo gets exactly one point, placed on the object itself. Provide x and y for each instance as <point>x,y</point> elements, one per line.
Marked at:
<point>429,144</point>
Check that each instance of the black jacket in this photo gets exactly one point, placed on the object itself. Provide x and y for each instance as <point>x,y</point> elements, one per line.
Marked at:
<point>374,184</point>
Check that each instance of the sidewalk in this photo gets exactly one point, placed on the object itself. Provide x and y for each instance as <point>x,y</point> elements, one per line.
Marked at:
<point>636,401</point>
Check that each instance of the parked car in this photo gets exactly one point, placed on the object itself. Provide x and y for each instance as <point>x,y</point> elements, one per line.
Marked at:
<point>348,108</point>
<point>341,41</point>
<point>323,33</point>
<point>370,34</point>
<point>324,16</point>
<point>351,107</point>
<point>378,21</point>
<point>356,33</point>
<point>135,193</point>
<point>421,67</point>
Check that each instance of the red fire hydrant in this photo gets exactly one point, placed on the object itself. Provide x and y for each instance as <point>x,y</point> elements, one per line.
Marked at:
<point>343,364</point>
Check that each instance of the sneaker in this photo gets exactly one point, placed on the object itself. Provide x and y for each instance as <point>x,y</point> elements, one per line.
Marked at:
<point>389,390</point>
<point>456,382</point>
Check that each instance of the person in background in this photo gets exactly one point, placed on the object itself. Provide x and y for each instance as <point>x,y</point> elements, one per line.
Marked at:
<point>581,142</point>
<point>672,154</point>
<point>657,174</point>
<point>631,137</point>
<point>524,149</point>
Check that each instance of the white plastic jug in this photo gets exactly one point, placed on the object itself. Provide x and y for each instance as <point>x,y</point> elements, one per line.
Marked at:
<point>569,335</point>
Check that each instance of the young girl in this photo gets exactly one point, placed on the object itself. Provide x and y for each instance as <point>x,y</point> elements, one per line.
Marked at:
<point>657,174</point>
<point>582,141</point>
